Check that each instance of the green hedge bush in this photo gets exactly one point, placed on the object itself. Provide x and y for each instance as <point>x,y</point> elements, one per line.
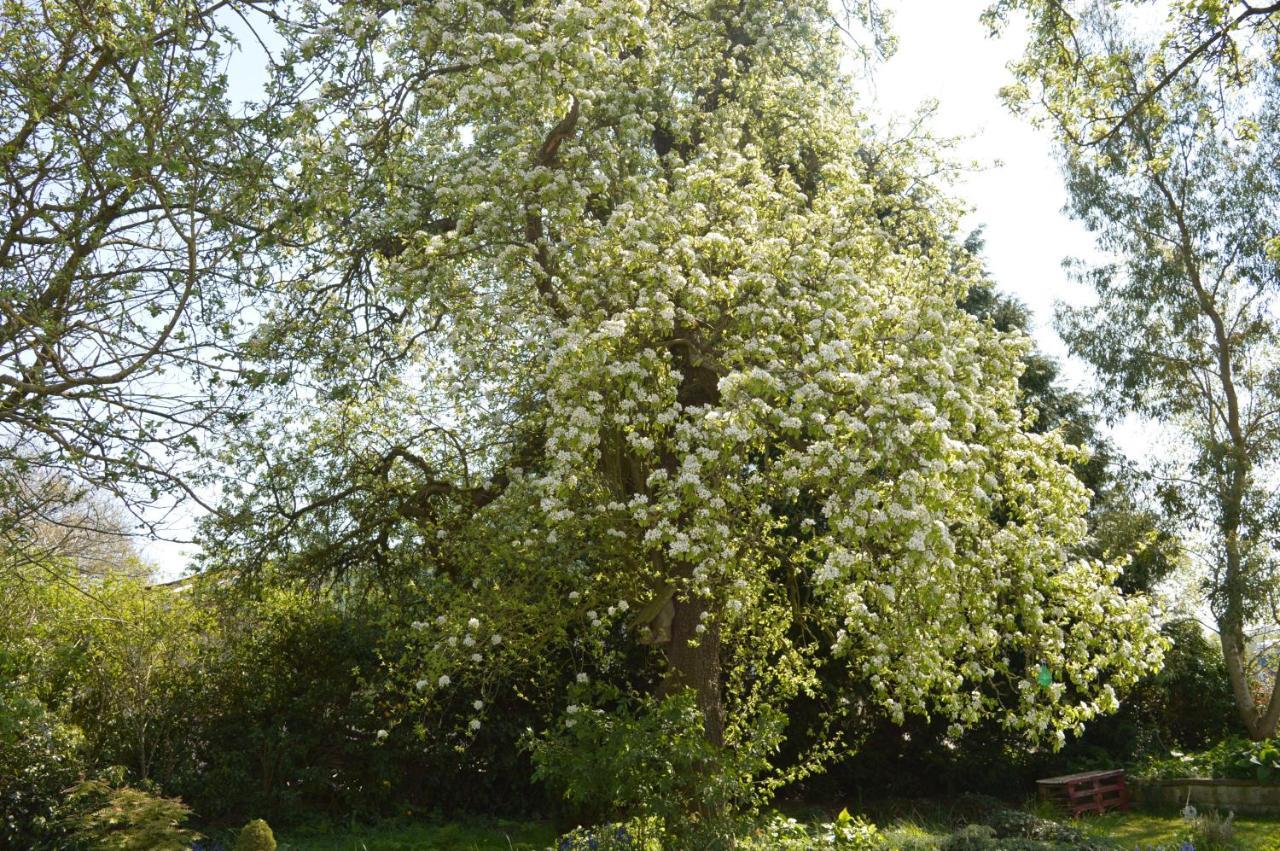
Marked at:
<point>40,756</point>
<point>1234,758</point>
<point>256,836</point>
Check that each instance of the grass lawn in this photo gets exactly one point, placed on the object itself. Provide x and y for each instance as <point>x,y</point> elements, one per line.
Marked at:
<point>1130,830</point>
<point>1127,830</point>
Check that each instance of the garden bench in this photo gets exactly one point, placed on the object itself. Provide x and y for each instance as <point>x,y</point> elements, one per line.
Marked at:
<point>1087,792</point>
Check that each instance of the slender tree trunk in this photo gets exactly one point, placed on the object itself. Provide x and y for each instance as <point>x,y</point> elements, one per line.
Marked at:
<point>693,661</point>
<point>1259,724</point>
<point>1233,653</point>
<point>1235,649</point>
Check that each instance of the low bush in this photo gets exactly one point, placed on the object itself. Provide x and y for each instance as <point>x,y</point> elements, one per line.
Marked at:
<point>1212,832</point>
<point>974,837</point>
<point>634,835</point>
<point>650,760</point>
<point>40,756</point>
<point>846,833</point>
<point>773,833</point>
<point>256,836</point>
<point>1016,824</point>
<point>1231,759</point>
<point>103,816</point>
<point>1003,829</point>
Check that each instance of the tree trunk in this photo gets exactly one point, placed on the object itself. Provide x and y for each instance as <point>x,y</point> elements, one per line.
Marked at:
<point>1259,725</point>
<point>693,657</point>
<point>693,661</point>
<point>1233,653</point>
<point>1235,649</point>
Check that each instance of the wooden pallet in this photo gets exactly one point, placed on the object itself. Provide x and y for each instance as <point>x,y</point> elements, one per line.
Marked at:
<point>1087,792</point>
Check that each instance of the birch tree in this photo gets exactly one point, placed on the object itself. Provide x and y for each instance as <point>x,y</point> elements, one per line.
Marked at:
<point>1169,145</point>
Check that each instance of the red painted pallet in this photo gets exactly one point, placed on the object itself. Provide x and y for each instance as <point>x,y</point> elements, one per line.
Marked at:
<point>1087,792</point>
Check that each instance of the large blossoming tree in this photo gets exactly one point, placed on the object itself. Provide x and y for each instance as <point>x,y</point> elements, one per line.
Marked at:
<point>621,328</point>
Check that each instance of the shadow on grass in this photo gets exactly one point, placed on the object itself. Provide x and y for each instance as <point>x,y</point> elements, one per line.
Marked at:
<point>419,836</point>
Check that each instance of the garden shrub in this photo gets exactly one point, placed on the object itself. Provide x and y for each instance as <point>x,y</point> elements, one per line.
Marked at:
<point>774,833</point>
<point>1017,824</point>
<point>974,837</point>
<point>1213,832</point>
<point>1003,829</point>
<point>618,836</point>
<point>114,660</point>
<point>281,716</point>
<point>1234,758</point>
<point>984,838</point>
<point>256,836</point>
<point>650,759</point>
<point>103,816</point>
<point>846,833</point>
<point>40,756</point>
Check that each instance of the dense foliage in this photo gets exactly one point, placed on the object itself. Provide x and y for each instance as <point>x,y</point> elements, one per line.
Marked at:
<point>621,430</point>
<point>284,697</point>
<point>1233,758</point>
<point>126,819</point>
<point>668,376</point>
<point>255,836</point>
<point>39,758</point>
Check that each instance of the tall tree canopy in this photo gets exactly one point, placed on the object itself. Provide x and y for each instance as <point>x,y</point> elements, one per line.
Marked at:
<point>616,325</point>
<point>1172,155</point>
<point>1091,91</point>
<point>122,174</point>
